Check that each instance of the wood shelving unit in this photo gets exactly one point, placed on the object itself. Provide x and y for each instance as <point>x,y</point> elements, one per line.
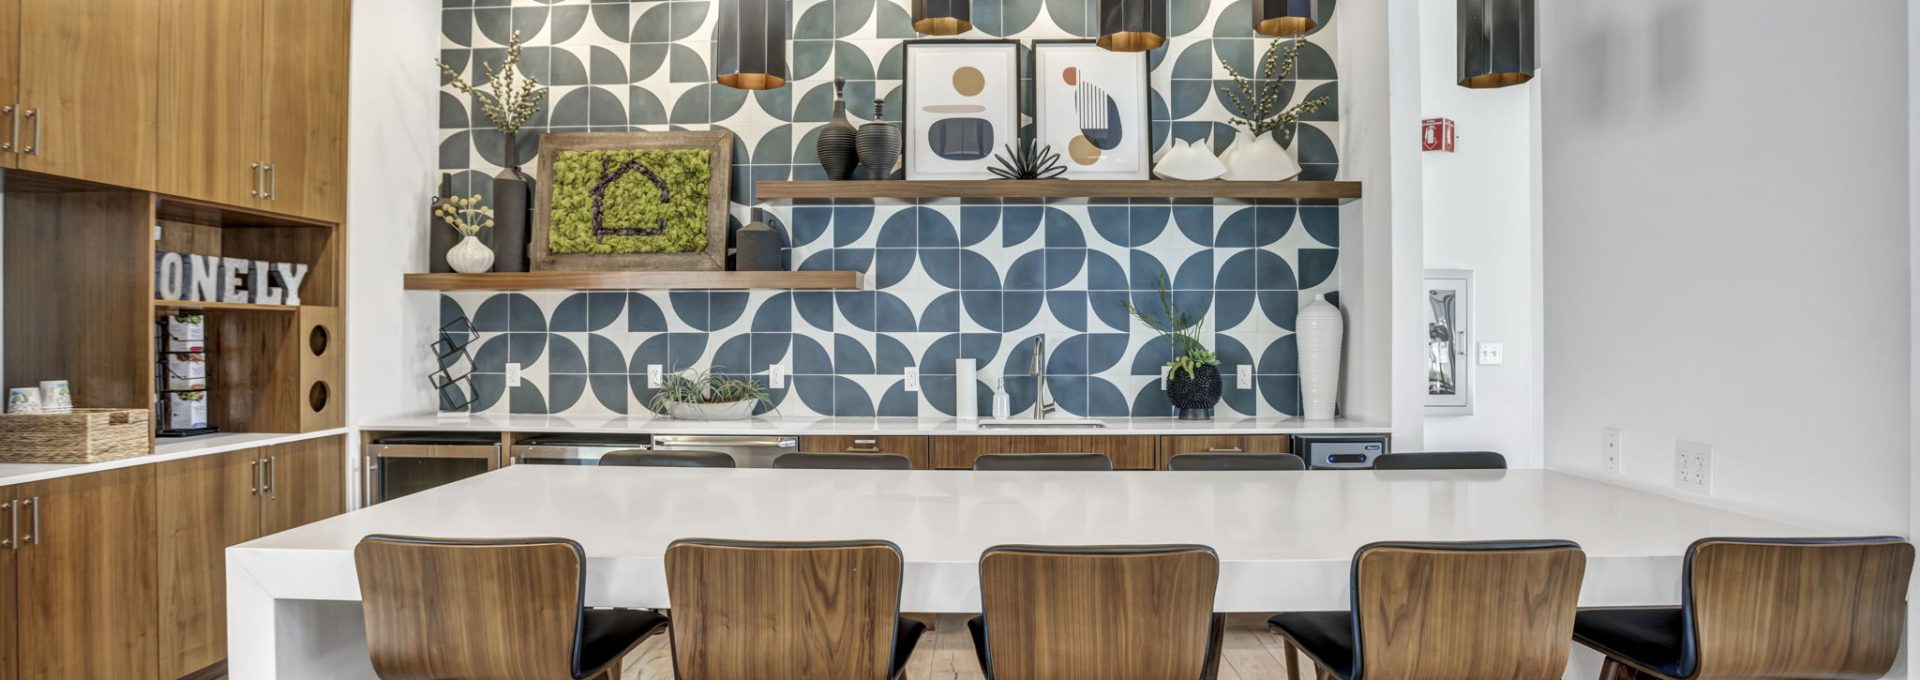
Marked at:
<point>807,280</point>
<point>1304,193</point>
<point>226,306</point>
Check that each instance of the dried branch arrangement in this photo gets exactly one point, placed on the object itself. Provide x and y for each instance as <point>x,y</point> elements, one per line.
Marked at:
<point>466,214</point>
<point>1256,100</point>
<point>512,98</point>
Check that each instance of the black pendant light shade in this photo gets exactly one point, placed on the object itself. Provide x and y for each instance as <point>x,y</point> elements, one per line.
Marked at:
<point>1133,25</point>
<point>1285,18</point>
<point>750,44</point>
<point>1496,43</point>
<point>943,17</point>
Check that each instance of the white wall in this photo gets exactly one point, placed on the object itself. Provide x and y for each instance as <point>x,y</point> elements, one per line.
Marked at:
<point>1726,248</point>
<point>1478,216</point>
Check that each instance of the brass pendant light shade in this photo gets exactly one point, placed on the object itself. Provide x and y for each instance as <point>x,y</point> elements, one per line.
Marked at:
<point>1133,25</point>
<point>1285,18</point>
<point>750,44</point>
<point>943,17</point>
<point>1496,43</point>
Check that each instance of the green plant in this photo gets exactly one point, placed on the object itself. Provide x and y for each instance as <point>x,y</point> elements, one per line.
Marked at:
<point>634,215</point>
<point>1181,331</point>
<point>514,96</point>
<point>1255,101</point>
<point>466,214</point>
<point>706,387</point>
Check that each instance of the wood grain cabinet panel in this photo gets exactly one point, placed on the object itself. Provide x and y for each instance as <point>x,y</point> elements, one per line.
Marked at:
<point>87,578</point>
<point>208,504</point>
<point>1252,443</point>
<point>89,82</point>
<point>9,601</point>
<point>10,134</point>
<point>210,103</point>
<point>306,483</point>
<point>914,448</point>
<point>305,89</point>
<point>1129,452</point>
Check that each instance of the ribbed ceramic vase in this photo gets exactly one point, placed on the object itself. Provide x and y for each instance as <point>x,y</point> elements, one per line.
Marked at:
<point>1321,328</point>
<point>838,155</point>
<point>879,144</point>
<point>470,256</point>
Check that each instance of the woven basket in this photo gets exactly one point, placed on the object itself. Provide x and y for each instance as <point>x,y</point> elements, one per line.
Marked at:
<point>84,435</point>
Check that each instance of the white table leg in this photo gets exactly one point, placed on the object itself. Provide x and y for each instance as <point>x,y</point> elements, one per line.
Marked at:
<point>291,639</point>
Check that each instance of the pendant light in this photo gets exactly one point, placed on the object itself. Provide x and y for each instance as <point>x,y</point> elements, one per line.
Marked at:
<point>942,17</point>
<point>1133,25</point>
<point>1496,43</point>
<point>750,44</point>
<point>1285,18</point>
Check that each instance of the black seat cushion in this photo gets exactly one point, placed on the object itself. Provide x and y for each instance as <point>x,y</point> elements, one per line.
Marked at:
<point>605,634</point>
<point>1652,637</point>
<point>1325,636</point>
<point>906,634</point>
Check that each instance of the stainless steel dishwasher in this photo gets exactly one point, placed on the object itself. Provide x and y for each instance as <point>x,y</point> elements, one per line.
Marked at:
<point>748,450</point>
<point>574,449</point>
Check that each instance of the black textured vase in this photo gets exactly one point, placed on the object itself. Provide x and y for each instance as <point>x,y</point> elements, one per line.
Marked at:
<point>1195,396</point>
<point>512,209</point>
<point>758,246</point>
<point>838,156</point>
<point>879,144</point>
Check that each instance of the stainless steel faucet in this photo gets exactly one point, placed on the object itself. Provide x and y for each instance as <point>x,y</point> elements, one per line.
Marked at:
<point>1041,407</point>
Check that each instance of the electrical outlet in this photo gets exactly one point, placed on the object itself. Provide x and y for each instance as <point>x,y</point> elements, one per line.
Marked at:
<point>1610,450</point>
<point>777,377</point>
<point>1493,353</point>
<point>1693,467</point>
<point>656,376</point>
<point>513,375</point>
<point>913,379</point>
<point>1243,376</point>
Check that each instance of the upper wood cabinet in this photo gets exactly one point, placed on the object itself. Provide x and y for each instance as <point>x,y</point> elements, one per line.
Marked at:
<point>254,104</point>
<point>83,87</point>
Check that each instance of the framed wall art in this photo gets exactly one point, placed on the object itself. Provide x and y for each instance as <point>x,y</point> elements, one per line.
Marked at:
<point>963,104</point>
<point>1090,105</point>
<point>632,201</point>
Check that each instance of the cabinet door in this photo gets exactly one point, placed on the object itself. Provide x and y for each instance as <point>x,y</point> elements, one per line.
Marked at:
<point>207,504</point>
<point>305,85</point>
<point>10,133</point>
<point>1127,452</point>
<point>1261,443</point>
<point>87,577</point>
<point>9,602</point>
<point>209,118</point>
<point>89,74</point>
<point>306,482</point>
<point>913,447</point>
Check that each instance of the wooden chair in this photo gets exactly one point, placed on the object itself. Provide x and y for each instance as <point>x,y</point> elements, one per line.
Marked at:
<point>685,459</point>
<point>1463,460</point>
<point>795,611</point>
<point>1113,613</point>
<point>1446,611</point>
<point>1227,462</point>
<point>1765,608</point>
<point>444,609</point>
<point>842,461</point>
<point>1043,462</point>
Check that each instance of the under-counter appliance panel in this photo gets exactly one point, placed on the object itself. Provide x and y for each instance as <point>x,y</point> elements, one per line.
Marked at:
<point>1340,452</point>
<point>574,449</point>
<point>748,451</point>
<point>403,464</point>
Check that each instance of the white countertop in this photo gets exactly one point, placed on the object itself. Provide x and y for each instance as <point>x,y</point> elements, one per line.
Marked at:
<point>164,450</point>
<point>859,426</point>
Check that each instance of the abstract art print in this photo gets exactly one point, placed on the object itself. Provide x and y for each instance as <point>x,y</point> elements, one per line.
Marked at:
<point>617,201</point>
<point>963,104</point>
<point>1090,105</point>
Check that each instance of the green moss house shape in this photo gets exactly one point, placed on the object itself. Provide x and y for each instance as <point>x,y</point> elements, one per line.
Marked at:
<point>630,202</point>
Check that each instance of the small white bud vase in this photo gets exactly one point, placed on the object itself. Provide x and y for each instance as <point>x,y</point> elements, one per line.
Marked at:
<point>1259,160</point>
<point>470,256</point>
<point>1321,328</point>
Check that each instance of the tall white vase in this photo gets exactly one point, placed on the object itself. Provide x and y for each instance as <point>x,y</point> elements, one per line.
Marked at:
<point>1321,329</point>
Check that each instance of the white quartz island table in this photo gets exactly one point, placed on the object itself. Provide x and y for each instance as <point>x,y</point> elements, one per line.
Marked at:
<point>1284,538</point>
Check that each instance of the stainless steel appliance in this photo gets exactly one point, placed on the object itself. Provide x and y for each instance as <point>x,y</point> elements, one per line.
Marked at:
<point>401,464</point>
<point>1341,451</point>
<point>573,449</point>
<point>753,451</point>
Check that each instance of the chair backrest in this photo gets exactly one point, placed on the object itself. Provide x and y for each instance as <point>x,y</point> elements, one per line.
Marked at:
<point>443,609</point>
<point>1116,613</point>
<point>1465,611</point>
<point>804,611</point>
<point>1795,608</point>
<point>1044,462</point>
<point>1463,460</point>
<point>842,461</point>
<point>1214,462</point>
<point>688,459</point>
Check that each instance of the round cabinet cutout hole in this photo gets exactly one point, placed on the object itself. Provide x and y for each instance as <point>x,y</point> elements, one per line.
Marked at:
<point>317,396</point>
<point>317,340</point>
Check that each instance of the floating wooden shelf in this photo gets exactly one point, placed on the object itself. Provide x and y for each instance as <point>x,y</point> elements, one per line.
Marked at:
<point>1307,193</point>
<point>809,280</point>
<point>235,306</point>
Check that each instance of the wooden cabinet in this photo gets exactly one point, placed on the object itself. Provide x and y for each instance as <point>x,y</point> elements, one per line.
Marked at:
<point>305,88</point>
<point>913,447</point>
<point>306,482</point>
<point>85,583</point>
<point>85,87</point>
<point>1128,452</point>
<point>1252,443</point>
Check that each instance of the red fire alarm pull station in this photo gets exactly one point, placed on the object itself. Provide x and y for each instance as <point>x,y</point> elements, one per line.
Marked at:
<point>1436,134</point>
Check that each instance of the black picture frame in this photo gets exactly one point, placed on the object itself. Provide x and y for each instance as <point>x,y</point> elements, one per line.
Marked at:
<point>909,134</point>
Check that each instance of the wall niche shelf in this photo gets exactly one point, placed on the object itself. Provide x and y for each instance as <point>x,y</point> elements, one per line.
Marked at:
<point>807,280</point>
<point>196,305</point>
<point>1303,193</point>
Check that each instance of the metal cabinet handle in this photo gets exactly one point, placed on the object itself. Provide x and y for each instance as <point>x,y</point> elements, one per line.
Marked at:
<point>366,488</point>
<point>253,468</point>
<point>12,541</point>
<point>273,183</point>
<point>864,446</point>
<point>259,180</point>
<point>33,530</point>
<point>14,137</point>
<point>33,115</point>
<point>273,476</point>
<point>1225,449</point>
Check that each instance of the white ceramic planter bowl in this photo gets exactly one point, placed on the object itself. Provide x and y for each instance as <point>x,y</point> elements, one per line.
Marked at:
<point>738,410</point>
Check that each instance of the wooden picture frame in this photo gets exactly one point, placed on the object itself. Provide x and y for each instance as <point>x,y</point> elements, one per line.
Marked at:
<point>719,184</point>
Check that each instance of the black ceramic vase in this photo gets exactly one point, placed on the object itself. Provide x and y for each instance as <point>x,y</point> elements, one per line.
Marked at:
<point>758,246</point>
<point>1195,396</point>
<point>838,156</point>
<point>512,210</point>
<point>879,143</point>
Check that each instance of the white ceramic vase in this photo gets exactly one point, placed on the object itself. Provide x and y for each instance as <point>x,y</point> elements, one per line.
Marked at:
<point>470,256</point>
<point>1189,161</point>
<point>1321,328</point>
<point>1259,160</point>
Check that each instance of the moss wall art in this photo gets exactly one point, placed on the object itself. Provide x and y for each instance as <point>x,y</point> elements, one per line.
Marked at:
<point>630,202</point>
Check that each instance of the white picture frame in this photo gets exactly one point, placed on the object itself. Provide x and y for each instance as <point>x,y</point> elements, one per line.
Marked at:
<point>1449,328</point>
<point>962,100</point>
<point>1090,106</point>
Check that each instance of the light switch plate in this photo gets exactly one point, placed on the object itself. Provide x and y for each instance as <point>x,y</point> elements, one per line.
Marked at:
<point>913,379</point>
<point>777,377</point>
<point>1610,450</point>
<point>1243,376</point>
<point>513,375</point>
<point>656,376</point>
<point>1693,467</point>
<point>1493,353</point>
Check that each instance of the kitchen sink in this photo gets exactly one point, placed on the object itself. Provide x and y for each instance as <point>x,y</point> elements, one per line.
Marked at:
<point>1027,423</point>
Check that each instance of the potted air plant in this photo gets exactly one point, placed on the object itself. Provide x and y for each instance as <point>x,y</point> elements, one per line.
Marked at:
<point>708,395</point>
<point>467,216</point>
<point>1193,374</point>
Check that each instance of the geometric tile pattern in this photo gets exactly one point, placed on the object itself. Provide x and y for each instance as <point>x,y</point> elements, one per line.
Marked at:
<point>949,278</point>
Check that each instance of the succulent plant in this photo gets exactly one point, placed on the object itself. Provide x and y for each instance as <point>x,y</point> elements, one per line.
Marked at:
<point>1027,159</point>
